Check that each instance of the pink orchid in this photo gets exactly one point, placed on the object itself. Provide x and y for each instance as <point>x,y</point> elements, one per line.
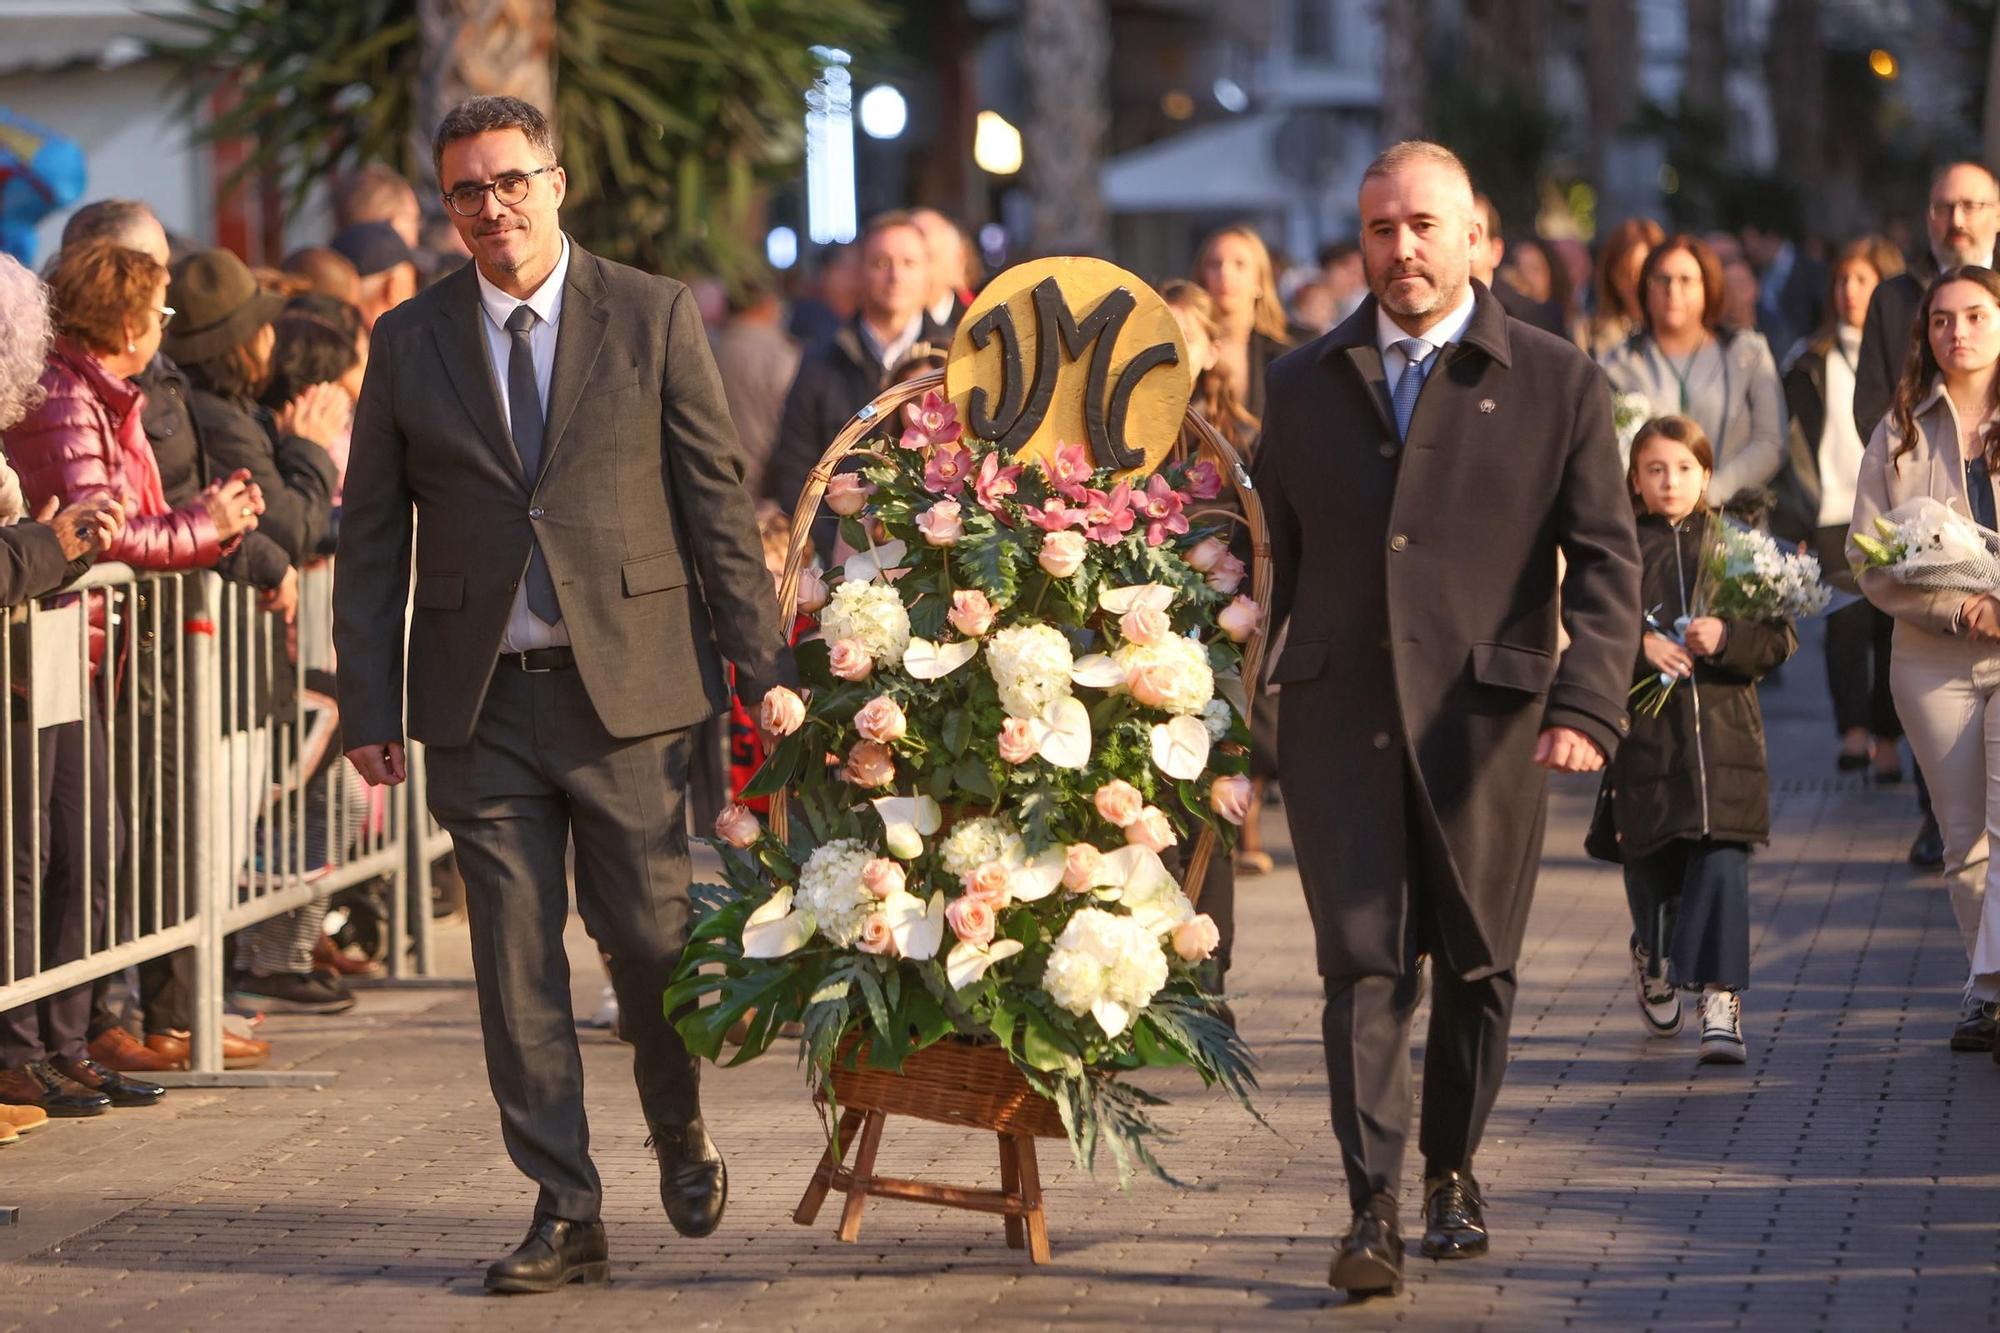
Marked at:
<point>934,420</point>
<point>944,473</point>
<point>1162,506</point>
<point>995,482</point>
<point>1052,515</point>
<point>1107,518</point>
<point>1068,470</point>
<point>1203,481</point>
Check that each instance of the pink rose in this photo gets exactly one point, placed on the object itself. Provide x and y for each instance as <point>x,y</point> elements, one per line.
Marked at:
<point>876,937</point>
<point>881,719</point>
<point>1239,619</point>
<point>1153,683</point>
<point>847,492</point>
<point>1204,553</point>
<point>971,613</point>
<point>988,884</point>
<point>737,825</point>
<point>783,711</point>
<point>882,877</point>
<point>1017,740</point>
<point>1230,797</point>
<point>1227,575</point>
<point>812,590</point>
<point>941,524</point>
<point>1062,554</point>
<point>971,919</point>
<point>1081,866</point>
<point>850,661</point>
<point>1151,830</point>
<point>869,764</point>
<point>1196,938</point>
<point>1142,624</point>
<point>1119,802</point>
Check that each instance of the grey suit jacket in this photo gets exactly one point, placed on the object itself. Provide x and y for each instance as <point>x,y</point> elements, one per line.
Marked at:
<point>640,510</point>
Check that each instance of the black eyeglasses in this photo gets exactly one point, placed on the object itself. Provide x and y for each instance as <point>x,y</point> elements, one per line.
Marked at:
<point>510,188</point>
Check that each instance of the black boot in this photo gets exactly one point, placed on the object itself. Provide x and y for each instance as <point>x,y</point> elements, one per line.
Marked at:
<point>557,1251</point>
<point>1454,1223</point>
<point>1369,1261</point>
<point>694,1182</point>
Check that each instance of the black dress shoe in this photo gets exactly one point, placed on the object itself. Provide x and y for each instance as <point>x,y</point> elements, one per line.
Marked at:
<point>556,1252</point>
<point>1927,848</point>
<point>38,1084</point>
<point>1976,1031</point>
<point>1454,1225</point>
<point>1369,1261</point>
<point>694,1182</point>
<point>122,1089</point>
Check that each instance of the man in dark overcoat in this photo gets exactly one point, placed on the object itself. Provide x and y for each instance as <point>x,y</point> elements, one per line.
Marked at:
<point>1422,467</point>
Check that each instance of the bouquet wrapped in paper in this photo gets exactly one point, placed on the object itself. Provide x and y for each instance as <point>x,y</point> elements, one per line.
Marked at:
<point>1926,544</point>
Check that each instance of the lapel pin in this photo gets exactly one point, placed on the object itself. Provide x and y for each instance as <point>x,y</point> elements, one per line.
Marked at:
<point>1487,404</point>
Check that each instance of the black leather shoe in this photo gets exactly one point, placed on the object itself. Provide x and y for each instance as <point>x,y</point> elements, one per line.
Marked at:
<point>1927,848</point>
<point>1977,1031</point>
<point>122,1089</point>
<point>1454,1225</point>
<point>556,1252</point>
<point>1369,1261</point>
<point>694,1182</point>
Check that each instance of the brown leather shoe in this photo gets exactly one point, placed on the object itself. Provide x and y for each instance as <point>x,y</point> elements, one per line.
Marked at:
<point>237,1052</point>
<point>330,957</point>
<point>23,1118</point>
<point>8,1134</point>
<point>120,1050</point>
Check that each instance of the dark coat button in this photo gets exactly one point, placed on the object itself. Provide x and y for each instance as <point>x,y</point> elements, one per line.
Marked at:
<point>1382,740</point>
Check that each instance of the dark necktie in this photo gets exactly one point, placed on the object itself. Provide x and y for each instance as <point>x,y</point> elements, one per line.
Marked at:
<point>524,418</point>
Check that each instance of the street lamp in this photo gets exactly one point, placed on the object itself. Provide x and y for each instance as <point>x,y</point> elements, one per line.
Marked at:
<point>883,112</point>
<point>996,145</point>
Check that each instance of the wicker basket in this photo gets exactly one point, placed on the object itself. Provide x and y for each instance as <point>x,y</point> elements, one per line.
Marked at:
<point>953,1082</point>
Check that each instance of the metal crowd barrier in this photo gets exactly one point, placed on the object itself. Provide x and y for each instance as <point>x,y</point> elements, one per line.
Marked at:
<point>242,812</point>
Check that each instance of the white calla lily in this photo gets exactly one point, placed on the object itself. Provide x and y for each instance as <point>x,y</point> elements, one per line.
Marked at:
<point>775,930</point>
<point>1180,747</point>
<point>906,822</point>
<point>1155,596</point>
<point>924,660</point>
<point>967,963</point>
<point>1062,733</point>
<point>1040,877</point>
<point>918,927</point>
<point>1097,671</point>
<point>1112,1016</point>
<point>1134,871</point>
<point>873,563</point>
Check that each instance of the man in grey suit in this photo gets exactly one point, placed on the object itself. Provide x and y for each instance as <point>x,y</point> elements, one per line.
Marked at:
<point>549,429</point>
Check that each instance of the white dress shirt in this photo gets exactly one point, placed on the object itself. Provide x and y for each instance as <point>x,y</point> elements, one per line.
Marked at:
<point>891,354</point>
<point>525,630</point>
<point>1840,444</point>
<point>1441,334</point>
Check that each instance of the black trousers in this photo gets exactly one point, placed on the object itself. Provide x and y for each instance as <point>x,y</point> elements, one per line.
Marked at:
<point>1857,669</point>
<point>1690,904</point>
<point>1366,1028</point>
<point>540,770</point>
<point>55,801</point>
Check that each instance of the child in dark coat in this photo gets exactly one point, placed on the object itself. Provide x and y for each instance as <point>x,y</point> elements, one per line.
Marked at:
<point>1688,791</point>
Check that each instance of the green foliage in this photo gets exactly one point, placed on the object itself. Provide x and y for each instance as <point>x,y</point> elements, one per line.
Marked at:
<point>671,112</point>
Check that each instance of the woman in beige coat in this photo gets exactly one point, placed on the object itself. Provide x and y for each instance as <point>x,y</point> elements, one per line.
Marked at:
<point>1942,439</point>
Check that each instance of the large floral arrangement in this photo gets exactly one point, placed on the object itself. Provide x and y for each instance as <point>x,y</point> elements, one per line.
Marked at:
<point>1024,704</point>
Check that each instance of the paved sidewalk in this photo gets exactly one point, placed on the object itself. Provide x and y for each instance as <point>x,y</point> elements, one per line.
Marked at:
<point>1846,1178</point>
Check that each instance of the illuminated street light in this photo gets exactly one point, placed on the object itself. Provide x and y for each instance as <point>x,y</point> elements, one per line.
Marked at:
<point>996,145</point>
<point>883,112</point>
<point>781,247</point>
<point>1882,64</point>
<point>830,202</point>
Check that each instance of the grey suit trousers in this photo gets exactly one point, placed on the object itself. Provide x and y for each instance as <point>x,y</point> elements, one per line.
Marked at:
<point>539,769</point>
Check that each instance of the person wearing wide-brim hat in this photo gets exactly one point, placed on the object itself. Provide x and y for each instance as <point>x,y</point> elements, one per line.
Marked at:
<point>222,337</point>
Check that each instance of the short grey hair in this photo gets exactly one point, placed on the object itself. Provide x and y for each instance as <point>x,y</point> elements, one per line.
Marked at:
<point>1412,152</point>
<point>106,219</point>
<point>488,115</point>
<point>25,332</point>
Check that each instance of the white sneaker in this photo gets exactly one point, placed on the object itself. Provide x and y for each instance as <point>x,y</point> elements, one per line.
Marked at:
<point>607,1011</point>
<point>1659,1003</point>
<point>1722,1028</point>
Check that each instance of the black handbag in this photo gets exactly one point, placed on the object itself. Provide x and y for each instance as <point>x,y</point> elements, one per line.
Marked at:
<point>1600,841</point>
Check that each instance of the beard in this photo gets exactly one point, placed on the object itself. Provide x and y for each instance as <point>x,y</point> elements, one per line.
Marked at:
<point>1439,293</point>
<point>1960,249</point>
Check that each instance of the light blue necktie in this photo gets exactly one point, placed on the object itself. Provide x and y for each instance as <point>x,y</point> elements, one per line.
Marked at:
<point>1417,355</point>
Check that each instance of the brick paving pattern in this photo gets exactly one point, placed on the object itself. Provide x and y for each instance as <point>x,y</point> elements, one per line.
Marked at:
<point>1845,1179</point>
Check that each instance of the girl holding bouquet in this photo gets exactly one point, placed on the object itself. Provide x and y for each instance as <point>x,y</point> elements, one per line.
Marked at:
<point>1941,441</point>
<point>1689,791</point>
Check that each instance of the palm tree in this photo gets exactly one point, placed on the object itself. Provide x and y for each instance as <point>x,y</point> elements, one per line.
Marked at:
<point>1066,50</point>
<point>471,48</point>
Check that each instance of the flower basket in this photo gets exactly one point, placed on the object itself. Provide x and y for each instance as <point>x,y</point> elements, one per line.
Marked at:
<point>952,1082</point>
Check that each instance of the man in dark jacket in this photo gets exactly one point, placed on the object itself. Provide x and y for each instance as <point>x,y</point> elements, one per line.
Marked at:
<point>1422,467</point>
<point>1544,315</point>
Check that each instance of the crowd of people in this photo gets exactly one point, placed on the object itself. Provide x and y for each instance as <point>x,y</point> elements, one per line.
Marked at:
<point>169,407</point>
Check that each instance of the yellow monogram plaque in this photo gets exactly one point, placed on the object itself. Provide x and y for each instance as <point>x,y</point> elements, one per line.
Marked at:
<point>1072,350</point>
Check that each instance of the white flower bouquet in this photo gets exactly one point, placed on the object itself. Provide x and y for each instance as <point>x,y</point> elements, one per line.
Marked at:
<point>1927,544</point>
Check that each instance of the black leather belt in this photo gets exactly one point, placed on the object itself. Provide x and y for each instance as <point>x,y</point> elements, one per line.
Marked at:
<point>540,659</point>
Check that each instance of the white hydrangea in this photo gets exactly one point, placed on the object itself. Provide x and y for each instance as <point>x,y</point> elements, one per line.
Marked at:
<point>830,888</point>
<point>872,615</point>
<point>1189,679</point>
<point>1031,665</point>
<point>973,842</point>
<point>1107,966</point>
<point>1218,717</point>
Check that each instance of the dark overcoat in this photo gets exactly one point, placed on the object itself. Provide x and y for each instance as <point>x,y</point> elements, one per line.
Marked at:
<point>1420,579</point>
